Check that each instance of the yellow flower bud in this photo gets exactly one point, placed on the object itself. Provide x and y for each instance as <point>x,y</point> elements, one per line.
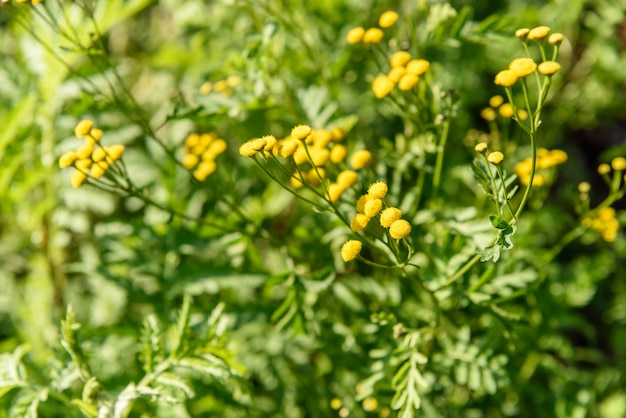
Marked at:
<point>505,78</point>
<point>360,159</point>
<point>319,157</point>
<point>584,187</point>
<point>116,151</point>
<point>399,229</point>
<point>78,178</point>
<point>83,128</point>
<point>522,66</point>
<point>192,140</point>
<point>408,81</point>
<point>287,148</point>
<point>84,151</point>
<point>336,403</point>
<point>347,178</point>
<point>618,163</point>
<point>604,169</point>
<point>204,169</point>
<point>522,33</point>
<point>335,191</point>
<point>495,157</point>
<point>98,169</point>
<point>251,147</point>
<point>388,19</point>
<point>370,404</point>
<point>538,33</point>
<point>555,39</point>
<point>338,153</point>
<point>373,36</point>
<point>190,161</point>
<point>481,147</point>
<point>96,134</point>
<point>83,165</point>
<point>350,250</point>
<point>506,110</point>
<point>373,207</point>
<point>496,100</point>
<point>67,159</point>
<point>355,35</point>
<point>418,66</point>
<point>360,203</point>
<point>396,73</point>
<point>270,143</point>
<point>382,86</point>
<point>378,190</point>
<point>301,132</point>
<point>389,216</point>
<point>359,222</point>
<point>488,114</point>
<point>98,154</point>
<point>548,67</point>
<point>399,59</point>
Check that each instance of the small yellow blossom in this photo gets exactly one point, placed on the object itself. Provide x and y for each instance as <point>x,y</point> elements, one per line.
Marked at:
<point>190,161</point>
<point>335,191</point>
<point>396,73</point>
<point>337,134</point>
<point>98,169</point>
<point>301,132</point>
<point>605,223</point>
<point>288,148</point>
<point>604,169</point>
<point>67,159</point>
<point>488,114</point>
<point>251,147</point>
<point>522,67</point>
<point>505,78</point>
<point>98,154</point>
<point>389,216</point>
<point>83,165</point>
<point>417,66</point>
<point>548,67</point>
<point>481,147</point>
<point>360,159</point>
<point>495,101</point>
<point>204,169</point>
<point>355,35</point>
<point>336,403</point>
<point>399,229</point>
<point>495,157</point>
<point>373,207</point>
<point>319,157</point>
<point>373,36</point>
<point>96,134</point>
<point>408,81</point>
<point>506,110</point>
<point>618,163</point>
<point>522,33</point>
<point>359,222</point>
<point>522,114</point>
<point>351,249</point>
<point>338,153</point>
<point>85,150</point>
<point>206,88</point>
<point>382,86</point>
<point>399,59</point>
<point>555,39</point>
<point>116,151</point>
<point>83,128</point>
<point>388,19</point>
<point>378,190</point>
<point>78,178</point>
<point>347,178</point>
<point>584,187</point>
<point>360,203</point>
<point>370,404</point>
<point>538,33</point>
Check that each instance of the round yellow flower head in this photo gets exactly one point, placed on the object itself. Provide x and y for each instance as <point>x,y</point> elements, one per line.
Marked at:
<point>522,66</point>
<point>389,216</point>
<point>382,86</point>
<point>373,207</point>
<point>557,156</point>
<point>336,403</point>
<point>251,147</point>
<point>360,159</point>
<point>495,101</point>
<point>506,110</point>
<point>360,203</point>
<point>399,229</point>
<point>408,81</point>
<point>83,128</point>
<point>378,190</point>
<point>505,78</point>
<point>359,222</point>
<point>205,169</point>
<point>481,147</point>
<point>399,59</point>
<point>549,67</point>
<point>418,66</point>
<point>206,87</point>
<point>287,148</point>
<point>301,132</point>
<point>319,157</point>
<point>488,114</point>
<point>355,35</point>
<point>522,114</point>
<point>85,150</point>
<point>219,146</point>
<point>604,169</point>
<point>618,163</point>
<point>96,134</point>
<point>300,156</point>
<point>83,165</point>
<point>351,249</point>
<point>396,73</point>
<point>338,153</point>
<point>337,134</point>
<point>555,39</point>
<point>67,159</point>
<point>538,33</point>
<point>335,191</point>
<point>98,154</point>
<point>584,187</point>
<point>190,161</point>
<point>388,19</point>
<point>116,151</point>
<point>373,36</point>
<point>522,33</point>
<point>78,178</point>
<point>98,170</point>
<point>495,157</point>
<point>314,176</point>
<point>370,404</point>
<point>347,178</point>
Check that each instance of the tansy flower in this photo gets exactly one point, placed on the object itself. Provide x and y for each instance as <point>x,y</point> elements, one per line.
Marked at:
<point>618,163</point>
<point>270,143</point>
<point>359,222</point>
<point>67,159</point>
<point>204,169</point>
<point>495,157</point>
<point>337,134</point>
<point>351,249</point>
<point>418,66</point>
<point>555,39</point>
<point>378,190</point>
<point>407,82</point>
<point>83,165</point>
<point>301,132</point>
<point>85,150</point>
<point>98,169</point>
<point>548,67</point>
<point>335,191</point>
<point>336,403</point>
<point>190,161</point>
<point>538,33</point>
<point>373,207</point>
<point>319,157</point>
<point>115,151</point>
<point>506,110</point>
<point>83,128</point>
<point>314,176</point>
<point>505,78</point>
<point>522,33</point>
<point>522,66</point>
<point>360,159</point>
<point>287,148</point>
<point>370,404</point>
<point>355,35</point>
<point>389,216</point>
<point>382,86</point>
<point>481,147</point>
<point>399,229</point>
<point>495,101</point>
<point>388,19</point>
<point>251,147</point>
<point>360,203</point>
<point>78,178</point>
<point>604,169</point>
<point>399,59</point>
<point>488,114</point>
<point>373,36</point>
<point>347,178</point>
<point>96,134</point>
<point>396,73</point>
<point>338,153</point>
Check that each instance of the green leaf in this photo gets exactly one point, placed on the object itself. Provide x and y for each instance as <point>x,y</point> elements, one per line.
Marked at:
<point>86,408</point>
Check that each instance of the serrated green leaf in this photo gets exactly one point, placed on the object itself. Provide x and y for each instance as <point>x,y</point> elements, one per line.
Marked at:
<point>86,408</point>
<point>174,381</point>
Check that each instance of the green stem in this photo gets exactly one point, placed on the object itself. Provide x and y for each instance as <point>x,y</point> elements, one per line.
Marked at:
<point>440,150</point>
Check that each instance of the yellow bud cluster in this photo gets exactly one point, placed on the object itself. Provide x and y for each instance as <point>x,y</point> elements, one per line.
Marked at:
<point>372,35</point>
<point>546,160</point>
<point>605,223</point>
<point>199,153</point>
<point>23,1</point>
<point>223,87</point>
<point>405,73</point>
<point>90,159</point>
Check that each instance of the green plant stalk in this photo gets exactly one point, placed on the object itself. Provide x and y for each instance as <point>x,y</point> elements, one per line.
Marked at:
<point>440,150</point>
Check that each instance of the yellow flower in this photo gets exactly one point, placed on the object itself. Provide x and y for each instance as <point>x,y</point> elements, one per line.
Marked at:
<point>219,146</point>
<point>96,134</point>
<point>359,222</point>
<point>399,59</point>
<point>83,128</point>
<point>314,176</point>
<point>548,67</point>
<point>360,203</point>
<point>251,147</point>
<point>522,33</point>
<point>337,134</point>
<point>522,66</point>
<point>370,404</point>
<point>389,216</point>
<point>78,178</point>
<point>382,86</point>
<point>618,163</point>
<point>604,169</point>
<point>555,39</point>
<point>338,153</point>
<point>584,187</point>
<point>378,190</point>
<point>488,114</point>
<point>538,33</point>
<point>388,19</point>
<point>347,178</point>
<point>506,110</point>
<point>355,35</point>
<point>496,100</point>
<point>85,150</point>
<point>83,165</point>
<point>98,169</point>
<point>319,156</point>
<point>408,81</point>
<point>301,132</point>
<point>351,249</point>
<point>116,151</point>
<point>396,73</point>
<point>522,114</point>
<point>399,229</point>
<point>495,157</point>
<point>418,66</point>
<point>287,148</point>
<point>373,207</point>
<point>67,159</point>
<point>206,88</point>
<point>335,403</point>
<point>192,140</point>
<point>557,156</point>
<point>505,78</point>
<point>98,154</point>
<point>481,147</point>
<point>190,161</point>
<point>373,36</point>
<point>204,169</point>
<point>360,159</point>
<point>335,191</point>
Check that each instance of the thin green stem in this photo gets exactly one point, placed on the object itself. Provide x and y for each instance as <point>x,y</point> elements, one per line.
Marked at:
<point>440,152</point>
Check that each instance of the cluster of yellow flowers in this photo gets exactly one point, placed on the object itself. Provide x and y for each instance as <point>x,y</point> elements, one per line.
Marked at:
<point>405,72</point>
<point>224,87</point>
<point>617,164</point>
<point>372,35</point>
<point>24,1</point>
<point>91,159</point>
<point>369,206</point>
<point>506,110</point>
<point>605,223</point>
<point>546,159</point>
<point>523,67</point>
<point>311,151</point>
<point>200,152</point>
